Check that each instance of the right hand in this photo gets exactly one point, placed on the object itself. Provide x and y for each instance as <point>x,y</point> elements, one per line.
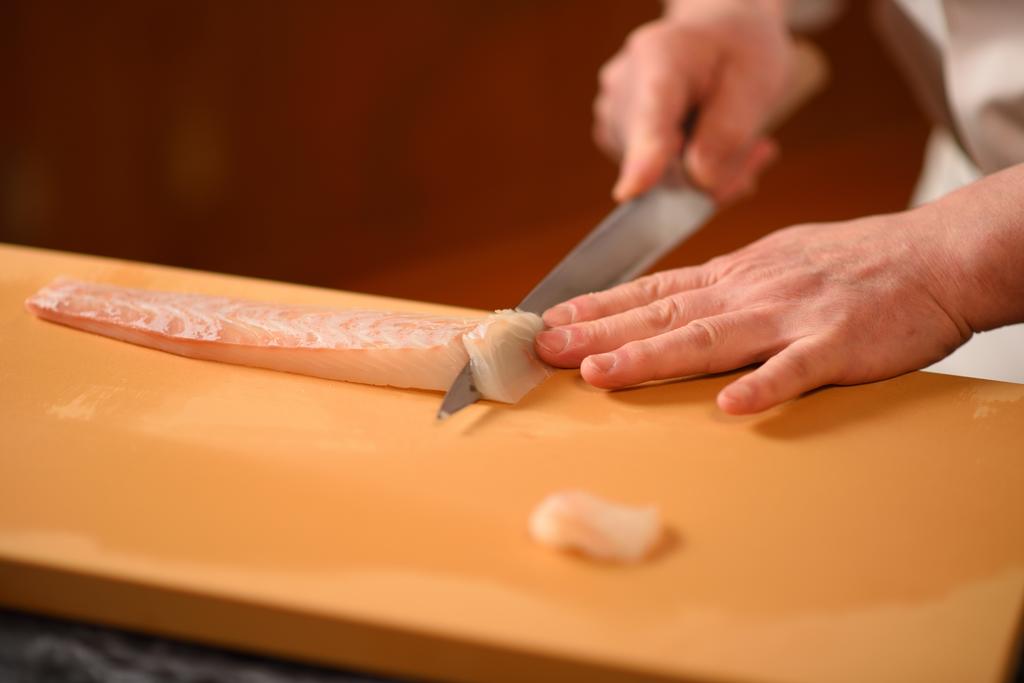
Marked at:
<point>729,58</point>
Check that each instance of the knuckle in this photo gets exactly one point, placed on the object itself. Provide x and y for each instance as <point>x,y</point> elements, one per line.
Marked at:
<point>747,266</point>
<point>665,314</point>
<point>593,307</point>
<point>644,35</point>
<point>583,335</point>
<point>608,74</point>
<point>638,354</point>
<point>652,286</point>
<point>705,334</point>
<point>658,76</point>
<point>584,307</point>
<point>602,139</point>
<point>698,277</point>
<point>652,91</point>
<point>719,263</point>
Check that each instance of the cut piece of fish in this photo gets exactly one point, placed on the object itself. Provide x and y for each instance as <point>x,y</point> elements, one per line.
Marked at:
<point>412,350</point>
<point>502,358</point>
<point>597,528</point>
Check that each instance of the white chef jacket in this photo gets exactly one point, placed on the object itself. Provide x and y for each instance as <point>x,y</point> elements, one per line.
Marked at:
<point>964,59</point>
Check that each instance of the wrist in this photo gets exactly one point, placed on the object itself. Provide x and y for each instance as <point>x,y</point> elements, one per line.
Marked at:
<point>979,232</point>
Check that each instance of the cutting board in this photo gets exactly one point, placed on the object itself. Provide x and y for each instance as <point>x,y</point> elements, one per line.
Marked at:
<point>861,533</point>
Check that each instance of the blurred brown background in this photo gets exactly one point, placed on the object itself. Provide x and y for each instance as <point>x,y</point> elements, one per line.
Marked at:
<point>431,150</point>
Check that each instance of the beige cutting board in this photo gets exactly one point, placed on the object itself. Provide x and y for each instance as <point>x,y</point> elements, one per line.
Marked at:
<point>871,533</point>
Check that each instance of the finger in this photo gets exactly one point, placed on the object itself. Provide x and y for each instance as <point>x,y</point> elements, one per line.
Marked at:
<point>603,131</point>
<point>715,344</point>
<point>728,125</point>
<point>609,76</point>
<point>608,106</point>
<point>629,295</point>
<point>566,347</point>
<point>646,157</point>
<point>804,365</point>
<point>651,132</point>
<point>761,155</point>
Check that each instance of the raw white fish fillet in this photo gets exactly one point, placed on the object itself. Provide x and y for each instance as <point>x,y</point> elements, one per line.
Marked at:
<point>597,528</point>
<point>371,347</point>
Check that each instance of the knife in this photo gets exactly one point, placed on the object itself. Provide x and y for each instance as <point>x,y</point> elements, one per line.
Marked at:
<point>637,233</point>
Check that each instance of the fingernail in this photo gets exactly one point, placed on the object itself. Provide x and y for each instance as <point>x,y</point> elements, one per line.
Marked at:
<point>553,341</point>
<point>602,363</point>
<point>562,314</point>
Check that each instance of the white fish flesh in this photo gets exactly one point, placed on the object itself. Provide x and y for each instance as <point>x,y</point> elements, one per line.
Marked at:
<point>371,347</point>
<point>596,528</point>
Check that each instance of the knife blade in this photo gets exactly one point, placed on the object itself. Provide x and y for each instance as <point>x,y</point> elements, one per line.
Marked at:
<point>625,244</point>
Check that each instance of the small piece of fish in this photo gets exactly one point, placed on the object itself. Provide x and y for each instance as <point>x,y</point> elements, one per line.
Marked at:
<point>371,347</point>
<point>597,528</point>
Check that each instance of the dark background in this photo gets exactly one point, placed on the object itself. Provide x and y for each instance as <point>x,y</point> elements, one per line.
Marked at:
<point>431,150</point>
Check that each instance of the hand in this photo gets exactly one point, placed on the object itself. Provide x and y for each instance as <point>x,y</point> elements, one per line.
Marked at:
<point>730,58</point>
<point>840,303</point>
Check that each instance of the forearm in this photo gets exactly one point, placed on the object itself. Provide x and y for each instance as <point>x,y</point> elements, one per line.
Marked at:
<point>982,232</point>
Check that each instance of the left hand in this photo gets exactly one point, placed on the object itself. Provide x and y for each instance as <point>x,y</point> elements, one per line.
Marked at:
<point>840,303</point>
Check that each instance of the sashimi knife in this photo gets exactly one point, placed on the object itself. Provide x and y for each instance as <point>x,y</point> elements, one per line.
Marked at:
<point>637,233</point>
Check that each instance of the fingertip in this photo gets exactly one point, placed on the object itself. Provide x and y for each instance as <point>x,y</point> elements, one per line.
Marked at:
<point>599,370</point>
<point>623,190</point>
<point>632,190</point>
<point>737,398</point>
<point>644,163</point>
<point>631,178</point>
<point>556,316</point>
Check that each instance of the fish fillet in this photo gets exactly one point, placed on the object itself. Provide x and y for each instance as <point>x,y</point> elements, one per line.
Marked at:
<point>371,347</point>
<point>597,528</point>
